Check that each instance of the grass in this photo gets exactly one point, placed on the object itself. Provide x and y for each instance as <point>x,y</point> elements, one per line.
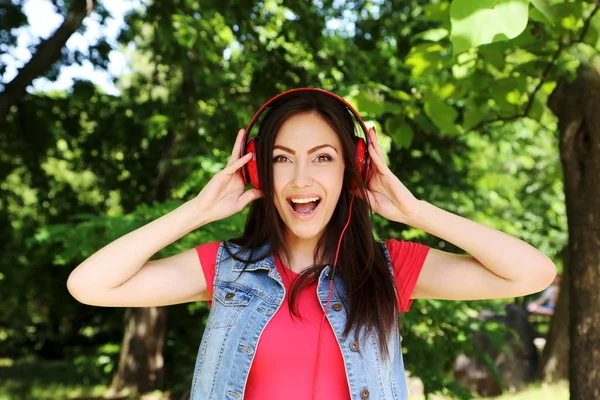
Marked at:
<point>44,381</point>
<point>557,391</point>
<point>29,380</point>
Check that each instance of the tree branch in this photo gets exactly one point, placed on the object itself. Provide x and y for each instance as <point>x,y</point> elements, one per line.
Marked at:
<point>545,73</point>
<point>543,76</point>
<point>46,54</point>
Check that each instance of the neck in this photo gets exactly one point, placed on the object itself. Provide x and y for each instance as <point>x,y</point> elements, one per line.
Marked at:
<point>301,252</point>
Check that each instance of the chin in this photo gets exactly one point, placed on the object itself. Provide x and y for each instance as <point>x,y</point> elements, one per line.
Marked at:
<point>306,232</point>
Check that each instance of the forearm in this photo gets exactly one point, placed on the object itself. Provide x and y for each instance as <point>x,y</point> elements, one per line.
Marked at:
<point>535,303</point>
<point>119,260</point>
<point>504,255</point>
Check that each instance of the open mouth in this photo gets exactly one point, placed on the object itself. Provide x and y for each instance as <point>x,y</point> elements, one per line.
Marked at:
<point>304,206</point>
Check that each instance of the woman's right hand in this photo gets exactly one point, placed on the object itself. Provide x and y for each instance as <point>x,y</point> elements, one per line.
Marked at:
<point>226,194</point>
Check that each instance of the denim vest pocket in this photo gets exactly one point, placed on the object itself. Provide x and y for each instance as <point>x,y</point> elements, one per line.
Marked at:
<point>228,302</point>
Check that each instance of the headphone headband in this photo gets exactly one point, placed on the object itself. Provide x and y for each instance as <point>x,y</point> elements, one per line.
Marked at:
<point>305,89</point>
<point>250,173</point>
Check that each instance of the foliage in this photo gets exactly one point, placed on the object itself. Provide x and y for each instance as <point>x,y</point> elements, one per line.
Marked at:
<point>14,21</point>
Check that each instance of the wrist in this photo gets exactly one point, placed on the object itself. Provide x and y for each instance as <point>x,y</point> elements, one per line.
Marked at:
<point>197,213</point>
<point>416,217</point>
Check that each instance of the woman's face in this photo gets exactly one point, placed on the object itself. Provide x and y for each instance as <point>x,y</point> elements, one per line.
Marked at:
<point>308,174</point>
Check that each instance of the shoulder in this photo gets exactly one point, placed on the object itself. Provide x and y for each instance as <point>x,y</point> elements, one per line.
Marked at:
<point>403,247</point>
<point>406,257</point>
<point>208,248</point>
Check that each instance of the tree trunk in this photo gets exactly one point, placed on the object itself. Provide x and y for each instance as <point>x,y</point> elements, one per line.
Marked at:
<point>141,358</point>
<point>554,364</point>
<point>47,53</point>
<point>577,106</point>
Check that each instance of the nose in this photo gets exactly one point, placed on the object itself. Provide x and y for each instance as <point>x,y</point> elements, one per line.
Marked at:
<point>302,177</point>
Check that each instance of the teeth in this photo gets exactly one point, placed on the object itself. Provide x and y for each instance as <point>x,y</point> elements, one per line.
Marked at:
<point>305,200</point>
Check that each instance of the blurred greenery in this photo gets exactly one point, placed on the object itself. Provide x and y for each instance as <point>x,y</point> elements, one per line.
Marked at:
<point>460,110</point>
<point>50,380</point>
<point>60,380</point>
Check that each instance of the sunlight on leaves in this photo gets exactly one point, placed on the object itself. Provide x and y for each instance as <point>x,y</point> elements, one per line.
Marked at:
<point>479,22</point>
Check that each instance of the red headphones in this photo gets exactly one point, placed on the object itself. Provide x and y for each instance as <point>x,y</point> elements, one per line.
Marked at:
<point>250,170</point>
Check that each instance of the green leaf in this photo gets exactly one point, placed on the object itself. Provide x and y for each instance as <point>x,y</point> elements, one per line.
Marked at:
<point>514,97</point>
<point>593,35</point>
<point>465,65</point>
<point>441,114</point>
<point>493,55</point>
<point>367,100</point>
<point>400,95</point>
<point>473,115</point>
<point>445,91</point>
<point>432,35</point>
<point>505,108</point>
<point>544,7</point>
<point>400,132</point>
<point>538,107</point>
<point>436,11</point>
<point>566,10</point>
<point>536,15</point>
<point>486,21</point>
<point>520,56</point>
<point>425,57</point>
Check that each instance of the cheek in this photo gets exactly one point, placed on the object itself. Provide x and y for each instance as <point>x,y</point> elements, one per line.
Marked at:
<point>279,180</point>
<point>333,180</point>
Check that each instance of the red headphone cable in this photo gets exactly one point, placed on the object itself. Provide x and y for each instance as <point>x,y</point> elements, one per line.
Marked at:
<point>329,298</point>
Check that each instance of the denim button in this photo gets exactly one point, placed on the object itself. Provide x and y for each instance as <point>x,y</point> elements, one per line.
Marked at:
<point>354,346</point>
<point>364,394</point>
<point>337,307</point>
<point>229,296</point>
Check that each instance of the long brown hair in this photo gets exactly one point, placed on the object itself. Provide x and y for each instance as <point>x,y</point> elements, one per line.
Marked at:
<point>362,263</point>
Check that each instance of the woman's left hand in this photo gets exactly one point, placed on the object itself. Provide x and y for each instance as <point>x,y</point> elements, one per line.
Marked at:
<point>387,195</point>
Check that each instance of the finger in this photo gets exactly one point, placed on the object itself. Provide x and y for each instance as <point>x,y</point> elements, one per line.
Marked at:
<point>377,159</point>
<point>369,198</point>
<point>237,147</point>
<point>230,169</point>
<point>375,141</point>
<point>249,196</point>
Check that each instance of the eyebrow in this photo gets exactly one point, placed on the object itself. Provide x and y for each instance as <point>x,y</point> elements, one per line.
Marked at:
<point>310,151</point>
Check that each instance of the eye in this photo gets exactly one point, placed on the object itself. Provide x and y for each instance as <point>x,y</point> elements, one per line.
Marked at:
<point>280,159</point>
<point>323,158</point>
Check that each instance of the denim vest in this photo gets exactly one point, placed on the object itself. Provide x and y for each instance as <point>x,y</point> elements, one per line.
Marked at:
<point>244,302</point>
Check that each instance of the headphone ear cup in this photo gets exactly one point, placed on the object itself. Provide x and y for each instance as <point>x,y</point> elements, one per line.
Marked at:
<point>251,167</point>
<point>362,159</point>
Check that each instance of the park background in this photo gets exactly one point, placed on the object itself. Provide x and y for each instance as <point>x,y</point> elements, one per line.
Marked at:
<point>114,113</point>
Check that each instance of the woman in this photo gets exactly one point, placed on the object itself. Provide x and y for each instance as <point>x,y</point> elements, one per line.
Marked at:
<point>304,303</point>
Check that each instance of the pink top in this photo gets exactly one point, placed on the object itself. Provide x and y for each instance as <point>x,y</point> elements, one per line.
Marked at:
<point>284,363</point>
